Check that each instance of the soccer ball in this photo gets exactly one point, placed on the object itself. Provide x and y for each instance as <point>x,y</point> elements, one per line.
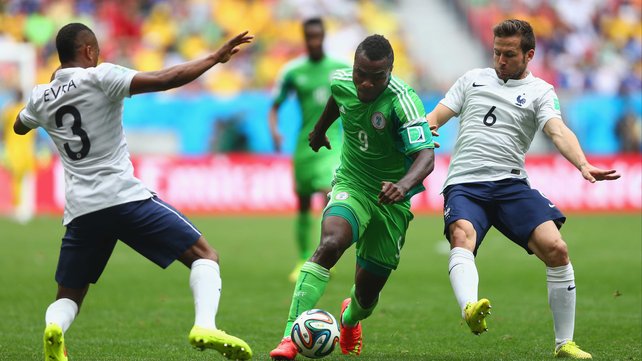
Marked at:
<point>315,333</point>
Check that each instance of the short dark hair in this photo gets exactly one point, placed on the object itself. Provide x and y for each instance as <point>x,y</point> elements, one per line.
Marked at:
<point>313,21</point>
<point>66,40</point>
<point>512,27</point>
<point>376,47</point>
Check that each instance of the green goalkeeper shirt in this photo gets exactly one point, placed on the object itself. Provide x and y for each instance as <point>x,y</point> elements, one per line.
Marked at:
<point>379,136</point>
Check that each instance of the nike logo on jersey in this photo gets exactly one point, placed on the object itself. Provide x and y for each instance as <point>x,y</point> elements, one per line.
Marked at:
<point>551,205</point>
<point>570,288</point>
<point>475,85</point>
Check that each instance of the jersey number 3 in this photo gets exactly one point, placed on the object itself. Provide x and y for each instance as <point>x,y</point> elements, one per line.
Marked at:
<point>76,130</point>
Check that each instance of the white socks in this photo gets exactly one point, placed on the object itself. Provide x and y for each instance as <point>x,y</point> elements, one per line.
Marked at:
<point>62,312</point>
<point>464,278</point>
<point>560,282</point>
<point>205,282</point>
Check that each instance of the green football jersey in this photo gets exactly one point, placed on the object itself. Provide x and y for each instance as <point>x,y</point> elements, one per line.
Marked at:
<point>379,136</point>
<point>311,83</point>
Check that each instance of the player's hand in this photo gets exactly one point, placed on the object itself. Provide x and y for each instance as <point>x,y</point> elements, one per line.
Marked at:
<point>593,174</point>
<point>318,140</point>
<point>391,193</point>
<point>225,52</point>
<point>433,131</point>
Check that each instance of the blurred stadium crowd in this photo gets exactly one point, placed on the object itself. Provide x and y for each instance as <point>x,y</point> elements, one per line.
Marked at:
<point>585,48</point>
<point>582,45</point>
<point>152,34</point>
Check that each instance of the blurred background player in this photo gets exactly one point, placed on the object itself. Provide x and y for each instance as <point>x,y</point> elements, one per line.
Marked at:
<point>386,155</point>
<point>309,77</point>
<point>81,110</point>
<point>500,110</point>
<point>20,158</point>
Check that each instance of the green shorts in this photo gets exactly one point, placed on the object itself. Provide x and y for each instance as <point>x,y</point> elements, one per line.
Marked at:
<point>314,175</point>
<point>379,230</point>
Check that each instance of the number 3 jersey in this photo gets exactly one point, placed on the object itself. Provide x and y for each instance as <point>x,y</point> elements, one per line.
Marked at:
<point>379,136</point>
<point>497,123</point>
<point>81,110</point>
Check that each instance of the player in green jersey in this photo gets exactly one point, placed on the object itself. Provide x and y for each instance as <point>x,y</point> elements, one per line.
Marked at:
<point>386,154</point>
<point>309,77</point>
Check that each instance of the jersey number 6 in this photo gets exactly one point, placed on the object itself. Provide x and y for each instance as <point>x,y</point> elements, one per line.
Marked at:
<point>490,118</point>
<point>76,130</point>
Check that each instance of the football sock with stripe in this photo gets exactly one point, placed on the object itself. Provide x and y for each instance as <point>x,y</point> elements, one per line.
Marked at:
<point>62,312</point>
<point>205,282</point>
<point>560,282</point>
<point>355,312</point>
<point>464,278</point>
<point>309,288</point>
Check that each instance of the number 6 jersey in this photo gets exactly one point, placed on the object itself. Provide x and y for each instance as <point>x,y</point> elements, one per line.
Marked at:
<point>81,110</point>
<point>497,123</point>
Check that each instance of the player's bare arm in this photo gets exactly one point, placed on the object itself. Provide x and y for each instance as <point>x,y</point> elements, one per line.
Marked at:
<point>273,122</point>
<point>422,166</point>
<point>178,75</point>
<point>19,127</point>
<point>317,137</point>
<point>438,117</point>
<point>566,142</point>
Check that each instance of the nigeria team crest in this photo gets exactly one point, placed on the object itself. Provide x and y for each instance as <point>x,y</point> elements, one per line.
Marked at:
<point>378,120</point>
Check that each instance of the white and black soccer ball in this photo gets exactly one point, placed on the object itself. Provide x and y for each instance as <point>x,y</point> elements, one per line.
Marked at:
<point>315,333</point>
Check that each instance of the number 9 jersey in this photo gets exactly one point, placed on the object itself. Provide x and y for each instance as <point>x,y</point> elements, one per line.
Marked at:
<point>81,110</point>
<point>381,136</point>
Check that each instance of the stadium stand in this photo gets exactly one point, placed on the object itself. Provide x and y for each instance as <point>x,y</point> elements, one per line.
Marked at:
<point>590,50</point>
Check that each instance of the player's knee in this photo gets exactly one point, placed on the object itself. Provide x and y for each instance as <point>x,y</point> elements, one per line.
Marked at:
<point>330,249</point>
<point>204,250</point>
<point>557,254</point>
<point>459,237</point>
<point>199,250</point>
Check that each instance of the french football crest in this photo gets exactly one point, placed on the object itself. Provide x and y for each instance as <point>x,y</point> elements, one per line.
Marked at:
<point>521,100</point>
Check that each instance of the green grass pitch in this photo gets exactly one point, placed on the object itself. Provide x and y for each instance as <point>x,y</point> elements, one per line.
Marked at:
<point>139,312</point>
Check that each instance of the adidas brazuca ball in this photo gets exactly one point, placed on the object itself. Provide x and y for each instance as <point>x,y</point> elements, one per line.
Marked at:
<point>315,333</point>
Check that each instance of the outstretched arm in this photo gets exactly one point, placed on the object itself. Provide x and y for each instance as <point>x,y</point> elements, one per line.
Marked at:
<point>317,138</point>
<point>178,75</point>
<point>422,166</point>
<point>566,142</point>
<point>438,117</point>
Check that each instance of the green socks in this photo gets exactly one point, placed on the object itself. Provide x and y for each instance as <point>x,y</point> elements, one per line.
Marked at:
<point>303,224</point>
<point>355,313</point>
<point>308,290</point>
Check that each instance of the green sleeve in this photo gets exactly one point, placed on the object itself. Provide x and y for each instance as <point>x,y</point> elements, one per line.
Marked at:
<point>414,129</point>
<point>283,86</point>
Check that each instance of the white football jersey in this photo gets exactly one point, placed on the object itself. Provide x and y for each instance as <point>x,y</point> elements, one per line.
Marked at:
<point>81,110</point>
<point>497,123</point>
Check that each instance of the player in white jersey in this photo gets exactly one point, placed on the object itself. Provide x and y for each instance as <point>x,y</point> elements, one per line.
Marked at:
<point>81,110</point>
<point>499,112</point>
